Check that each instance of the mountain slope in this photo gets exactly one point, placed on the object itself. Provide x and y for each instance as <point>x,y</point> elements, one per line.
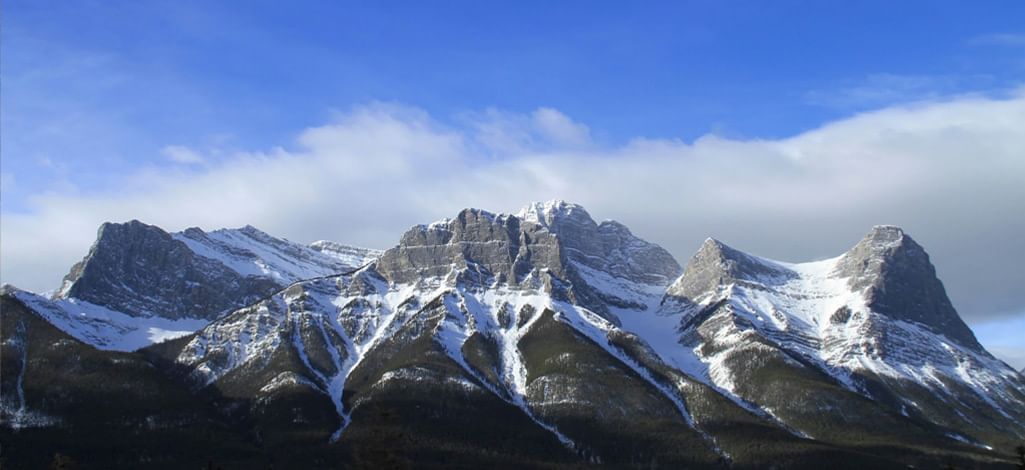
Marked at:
<point>891,339</point>
<point>104,409</point>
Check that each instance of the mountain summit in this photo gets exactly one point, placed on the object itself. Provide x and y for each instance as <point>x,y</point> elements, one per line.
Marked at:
<point>898,280</point>
<point>535,339</point>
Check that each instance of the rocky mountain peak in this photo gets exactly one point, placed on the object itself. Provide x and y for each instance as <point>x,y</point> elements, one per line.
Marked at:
<point>110,238</point>
<point>609,247</point>
<point>544,236</point>
<point>554,246</point>
<point>142,270</point>
<point>555,212</point>
<point>497,246</point>
<point>898,280</point>
<point>7,289</point>
<point>717,264</point>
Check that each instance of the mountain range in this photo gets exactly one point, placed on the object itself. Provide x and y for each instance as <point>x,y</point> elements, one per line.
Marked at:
<point>541,339</point>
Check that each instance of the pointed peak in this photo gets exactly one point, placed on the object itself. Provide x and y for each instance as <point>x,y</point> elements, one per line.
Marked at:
<point>713,243</point>
<point>898,280</point>
<point>712,247</point>
<point>252,231</point>
<point>717,264</point>
<point>881,243</point>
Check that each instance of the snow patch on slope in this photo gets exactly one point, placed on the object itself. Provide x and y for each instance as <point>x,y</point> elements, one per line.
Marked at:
<point>108,329</point>
<point>251,252</point>
<point>349,255</point>
<point>816,314</point>
<point>471,313</point>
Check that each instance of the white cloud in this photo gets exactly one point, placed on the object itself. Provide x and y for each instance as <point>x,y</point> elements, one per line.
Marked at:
<point>560,129</point>
<point>950,172</point>
<point>180,154</point>
<point>504,134</point>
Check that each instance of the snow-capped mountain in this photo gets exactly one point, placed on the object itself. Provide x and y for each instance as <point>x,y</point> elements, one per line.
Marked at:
<point>544,338</point>
<point>139,284</point>
<point>875,321</point>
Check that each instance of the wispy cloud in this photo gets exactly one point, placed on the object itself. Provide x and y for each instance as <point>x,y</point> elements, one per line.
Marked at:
<point>183,155</point>
<point>884,89</point>
<point>999,39</point>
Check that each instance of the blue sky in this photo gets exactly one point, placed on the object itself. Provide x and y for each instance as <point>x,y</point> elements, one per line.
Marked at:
<point>112,82</point>
<point>103,100</point>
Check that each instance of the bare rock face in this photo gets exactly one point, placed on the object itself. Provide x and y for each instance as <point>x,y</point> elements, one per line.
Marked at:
<point>900,282</point>
<point>717,265</point>
<point>142,270</point>
<point>608,247</point>
<point>553,245</point>
<point>499,247</point>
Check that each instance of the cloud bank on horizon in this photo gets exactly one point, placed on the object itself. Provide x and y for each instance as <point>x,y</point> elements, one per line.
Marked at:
<point>949,171</point>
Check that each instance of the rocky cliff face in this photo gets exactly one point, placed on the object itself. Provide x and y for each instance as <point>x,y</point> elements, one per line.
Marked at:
<point>500,248</point>
<point>608,247</point>
<point>899,281</point>
<point>141,270</point>
<point>553,246</point>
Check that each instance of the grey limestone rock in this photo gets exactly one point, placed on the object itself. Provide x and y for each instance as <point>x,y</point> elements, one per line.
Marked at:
<point>900,282</point>
<point>553,245</point>
<point>608,247</point>
<point>716,265</point>
<point>142,270</point>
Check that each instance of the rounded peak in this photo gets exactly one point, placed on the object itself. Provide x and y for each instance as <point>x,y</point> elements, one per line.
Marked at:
<point>193,232</point>
<point>8,289</point>
<point>551,205</point>
<point>888,231</point>
<point>441,223</point>
<point>133,224</point>
<point>131,228</point>
<point>474,212</point>
<point>250,230</point>
<point>552,210</point>
<point>882,237</point>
